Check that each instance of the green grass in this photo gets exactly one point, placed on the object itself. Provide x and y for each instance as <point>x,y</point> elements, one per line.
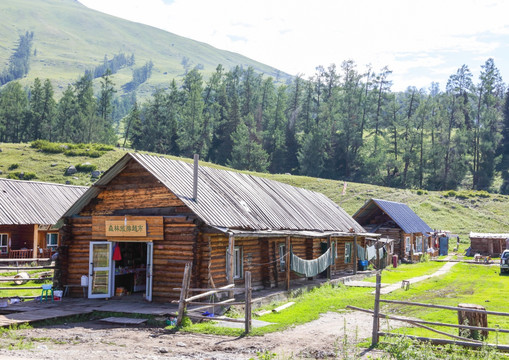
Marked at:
<point>464,283</point>
<point>308,307</point>
<point>406,271</point>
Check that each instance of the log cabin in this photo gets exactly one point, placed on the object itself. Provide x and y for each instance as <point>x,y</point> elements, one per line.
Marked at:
<point>29,211</point>
<point>147,216</point>
<point>397,221</point>
<point>488,244</point>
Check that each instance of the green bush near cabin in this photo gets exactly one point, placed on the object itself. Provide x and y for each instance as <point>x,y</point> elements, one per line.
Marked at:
<point>68,149</point>
<point>86,167</point>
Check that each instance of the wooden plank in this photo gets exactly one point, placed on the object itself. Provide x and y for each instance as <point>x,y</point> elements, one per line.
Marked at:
<point>15,288</point>
<point>445,307</point>
<point>24,260</point>
<point>247,307</point>
<point>123,320</point>
<point>282,307</point>
<point>448,342</point>
<point>14,268</point>
<point>183,294</point>
<point>397,318</point>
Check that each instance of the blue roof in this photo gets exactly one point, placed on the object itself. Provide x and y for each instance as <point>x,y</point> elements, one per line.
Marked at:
<point>400,213</point>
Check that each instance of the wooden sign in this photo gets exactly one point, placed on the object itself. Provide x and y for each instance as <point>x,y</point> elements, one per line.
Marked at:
<point>126,228</point>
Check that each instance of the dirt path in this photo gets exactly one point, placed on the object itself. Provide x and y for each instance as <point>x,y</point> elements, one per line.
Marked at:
<point>319,339</point>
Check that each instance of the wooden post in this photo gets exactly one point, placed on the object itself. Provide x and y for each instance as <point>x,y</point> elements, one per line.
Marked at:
<point>490,247</point>
<point>473,319</point>
<point>377,255</point>
<point>329,267</point>
<point>354,254</point>
<point>186,280</point>
<point>248,297</point>
<point>276,264</point>
<point>36,241</point>
<point>287,263</point>
<point>376,322</point>
<point>231,252</point>
<point>412,243</point>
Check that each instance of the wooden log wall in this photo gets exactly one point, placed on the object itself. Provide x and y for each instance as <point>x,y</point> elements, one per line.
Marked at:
<point>399,239</point>
<point>76,235</point>
<point>134,188</point>
<point>485,246</point>
<point>179,246</point>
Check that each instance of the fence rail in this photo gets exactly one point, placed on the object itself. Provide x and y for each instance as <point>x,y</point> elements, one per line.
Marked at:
<point>463,341</point>
<point>185,300</point>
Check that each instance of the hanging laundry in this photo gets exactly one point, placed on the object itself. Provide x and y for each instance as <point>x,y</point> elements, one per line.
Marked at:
<point>314,267</point>
<point>361,253</point>
<point>371,252</point>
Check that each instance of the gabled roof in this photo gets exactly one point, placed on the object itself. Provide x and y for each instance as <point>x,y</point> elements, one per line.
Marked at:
<point>31,202</point>
<point>233,200</point>
<point>400,213</point>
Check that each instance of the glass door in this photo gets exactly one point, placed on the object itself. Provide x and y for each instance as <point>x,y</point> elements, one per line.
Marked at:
<point>100,274</point>
<point>150,255</point>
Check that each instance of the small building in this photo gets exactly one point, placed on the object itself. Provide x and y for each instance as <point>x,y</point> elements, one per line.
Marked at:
<point>396,221</point>
<point>29,211</point>
<point>136,228</point>
<point>488,243</point>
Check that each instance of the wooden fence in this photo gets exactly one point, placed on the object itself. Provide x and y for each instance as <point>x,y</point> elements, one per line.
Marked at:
<point>11,265</point>
<point>459,340</point>
<point>184,300</point>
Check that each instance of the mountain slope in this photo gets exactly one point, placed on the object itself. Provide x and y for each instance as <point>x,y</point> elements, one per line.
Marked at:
<point>70,38</point>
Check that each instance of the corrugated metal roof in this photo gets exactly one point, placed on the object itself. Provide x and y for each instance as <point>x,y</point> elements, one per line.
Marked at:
<point>32,202</point>
<point>400,213</point>
<point>488,235</point>
<point>234,200</point>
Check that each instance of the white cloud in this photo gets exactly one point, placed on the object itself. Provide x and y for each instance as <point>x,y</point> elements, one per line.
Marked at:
<point>296,36</point>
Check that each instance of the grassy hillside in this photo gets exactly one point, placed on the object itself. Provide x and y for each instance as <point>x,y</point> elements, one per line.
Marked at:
<point>460,212</point>
<point>70,38</point>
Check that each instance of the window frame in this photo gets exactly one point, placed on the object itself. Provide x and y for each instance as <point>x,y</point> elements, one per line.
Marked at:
<point>419,244</point>
<point>408,245</point>
<point>2,246</point>
<point>282,257</point>
<point>238,262</point>
<point>51,236</point>
<point>348,252</point>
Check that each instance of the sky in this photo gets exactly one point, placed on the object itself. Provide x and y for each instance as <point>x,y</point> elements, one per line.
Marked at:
<point>420,41</point>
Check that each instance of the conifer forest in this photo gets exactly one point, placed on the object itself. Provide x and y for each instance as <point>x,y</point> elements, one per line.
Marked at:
<point>342,123</point>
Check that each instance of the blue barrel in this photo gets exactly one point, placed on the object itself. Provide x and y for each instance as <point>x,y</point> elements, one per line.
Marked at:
<point>362,265</point>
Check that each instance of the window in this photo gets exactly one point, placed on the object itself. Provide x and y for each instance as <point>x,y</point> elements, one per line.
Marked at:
<point>348,252</point>
<point>237,262</point>
<point>52,241</point>
<point>282,257</point>
<point>418,244</point>
<point>407,244</point>
<point>4,243</point>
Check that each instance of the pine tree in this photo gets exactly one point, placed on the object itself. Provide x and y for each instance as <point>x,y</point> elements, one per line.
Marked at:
<point>247,152</point>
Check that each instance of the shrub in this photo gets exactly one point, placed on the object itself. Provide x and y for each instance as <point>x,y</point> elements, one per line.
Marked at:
<point>49,147</point>
<point>83,152</point>
<point>13,166</point>
<point>19,175</point>
<point>450,193</point>
<point>86,167</point>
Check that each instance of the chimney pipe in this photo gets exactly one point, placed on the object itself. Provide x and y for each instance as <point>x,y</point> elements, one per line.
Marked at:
<point>195,177</point>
